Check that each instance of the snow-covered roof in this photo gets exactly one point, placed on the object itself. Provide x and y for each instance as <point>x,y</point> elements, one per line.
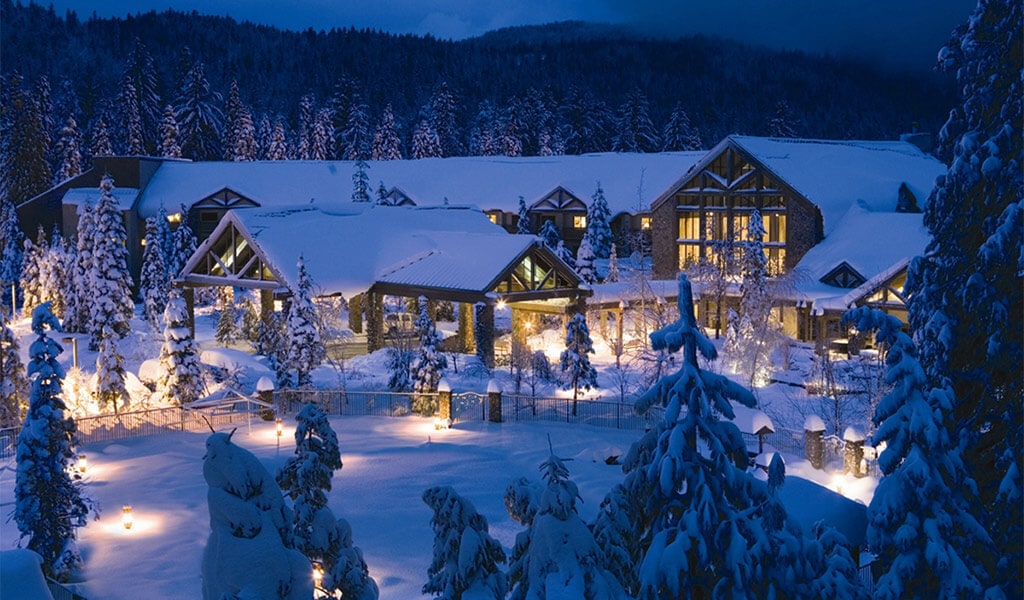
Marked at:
<point>348,247</point>
<point>630,181</point>
<point>873,243</point>
<point>807,503</point>
<point>125,197</point>
<point>834,174</point>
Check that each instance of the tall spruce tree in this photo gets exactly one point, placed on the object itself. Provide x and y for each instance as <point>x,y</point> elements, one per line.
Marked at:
<point>25,170</point>
<point>386,143</point>
<point>111,375</point>
<point>154,283</point>
<point>11,249</point>
<point>679,133</point>
<point>585,262</point>
<point>702,500</point>
<point>429,363</point>
<point>184,246</point>
<point>181,381</point>
<point>425,143</point>
<point>305,352</point>
<point>77,313</point>
<point>635,131</point>
<point>33,257</point>
<point>965,299</point>
<point>169,147</point>
<point>56,273</point>
<point>442,114</point>
<point>49,503</point>
<point>523,221</point>
<point>360,182</point>
<point>756,344</point>
<point>132,138</point>
<point>921,528</point>
<point>599,230</point>
<point>13,383</point>
<point>575,362</point>
<point>200,119</point>
<point>69,149</point>
<point>110,284</point>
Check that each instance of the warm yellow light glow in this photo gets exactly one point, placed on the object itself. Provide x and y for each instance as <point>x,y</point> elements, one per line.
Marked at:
<point>318,574</point>
<point>83,463</point>
<point>280,427</point>
<point>500,304</point>
<point>126,516</point>
<point>528,325</point>
<point>175,218</point>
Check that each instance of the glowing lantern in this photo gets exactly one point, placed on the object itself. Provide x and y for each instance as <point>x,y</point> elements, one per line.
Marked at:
<point>318,575</point>
<point>126,516</point>
<point>83,463</point>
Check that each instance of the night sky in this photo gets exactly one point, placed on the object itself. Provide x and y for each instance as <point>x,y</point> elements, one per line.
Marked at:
<point>898,34</point>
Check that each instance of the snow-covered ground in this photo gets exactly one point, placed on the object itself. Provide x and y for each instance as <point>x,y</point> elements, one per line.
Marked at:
<point>388,462</point>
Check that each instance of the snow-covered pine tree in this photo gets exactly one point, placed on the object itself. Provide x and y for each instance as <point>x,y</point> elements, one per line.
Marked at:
<point>305,352</point>
<point>11,248</point>
<point>549,235</point>
<point>306,117</point>
<point>169,147</point>
<point>731,346</point>
<point>424,142</point>
<point>100,139</point>
<point>70,149</point>
<point>386,143</point>
<point>140,70</point>
<point>781,125</point>
<point>575,363</point>
<point>277,149</point>
<point>31,284</point>
<point>466,558</point>
<point>562,251</point>
<point>618,527</point>
<point>321,140</point>
<point>55,273</point>
<point>240,131</point>
<point>428,364</point>
<point>599,231</point>
<point>920,524</point>
<point>965,300</point>
<point>200,120</point>
<point>133,139</point>
<point>382,195</point>
<point>183,248</point>
<point>48,503</point>
<point>227,326</point>
<point>77,316</point>
<point>755,347</point>
<point>110,284</point>
<point>306,478</point>
<point>164,237</point>
<point>559,558</point>
<point>360,182</point>
<point>270,342</point>
<point>634,130</point>
<point>350,576</point>
<point>182,378</point>
<point>110,372</point>
<point>154,284</point>
<point>25,171</point>
<point>13,383</point>
<point>679,133</point>
<point>585,267</point>
<point>249,552</point>
<point>523,221</point>
<point>613,265</point>
<point>356,136</point>
<point>701,505</point>
<point>835,572</point>
<point>397,367</point>
<point>442,113</point>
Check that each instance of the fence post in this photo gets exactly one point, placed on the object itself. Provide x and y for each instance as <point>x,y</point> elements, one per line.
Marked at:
<point>494,401</point>
<point>265,392</point>
<point>444,401</point>
<point>854,451</point>
<point>814,429</point>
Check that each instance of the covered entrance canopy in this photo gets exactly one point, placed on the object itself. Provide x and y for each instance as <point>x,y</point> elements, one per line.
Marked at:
<point>443,253</point>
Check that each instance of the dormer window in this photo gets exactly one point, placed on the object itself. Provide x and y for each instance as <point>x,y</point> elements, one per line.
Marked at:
<point>843,276</point>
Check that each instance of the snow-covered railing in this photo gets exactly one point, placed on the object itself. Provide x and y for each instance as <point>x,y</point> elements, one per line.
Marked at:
<point>8,442</point>
<point>122,426</point>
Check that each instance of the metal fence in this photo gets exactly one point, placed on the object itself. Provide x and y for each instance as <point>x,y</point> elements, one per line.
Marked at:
<point>599,413</point>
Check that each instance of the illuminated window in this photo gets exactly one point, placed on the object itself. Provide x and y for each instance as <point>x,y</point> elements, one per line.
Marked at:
<point>775,228</point>
<point>741,225</point>
<point>689,225</point>
<point>689,254</point>
<point>579,222</point>
<point>645,223</point>
<point>493,218</point>
<point>717,223</point>
<point>175,218</point>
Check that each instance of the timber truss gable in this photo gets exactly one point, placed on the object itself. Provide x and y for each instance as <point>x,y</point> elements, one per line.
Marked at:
<point>230,256</point>
<point>559,199</point>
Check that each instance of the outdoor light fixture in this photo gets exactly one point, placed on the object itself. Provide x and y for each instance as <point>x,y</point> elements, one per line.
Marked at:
<point>280,430</point>
<point>500,304</point>
<point>318,575</point>
<point>74,349</point>
<point>126,516</point>
<point>83,463</point>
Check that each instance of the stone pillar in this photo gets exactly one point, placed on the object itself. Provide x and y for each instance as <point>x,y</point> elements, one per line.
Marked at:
<point>374,308</point>
<point>853,453</point>
<point>355,313</point>
<point>493,402</point>
<point>444,405</point>
<point>265,392</point>
<point>466,328</point>
<point>483,331</point>
<point>814,450</point>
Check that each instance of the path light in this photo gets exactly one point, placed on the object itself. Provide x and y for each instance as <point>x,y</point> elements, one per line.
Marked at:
<point>83,463</point>
<point>74,349</point>
<point>280,430</point>
<point>318,575</point>
<point>126,516</point>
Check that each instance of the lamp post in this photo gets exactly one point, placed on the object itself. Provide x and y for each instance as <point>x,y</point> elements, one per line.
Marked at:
<point>126,516</point>
<point>83,463</point>
<point>74,349</point>
<point>280,430</point>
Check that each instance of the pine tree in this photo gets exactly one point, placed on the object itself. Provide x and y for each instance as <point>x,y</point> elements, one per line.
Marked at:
<point>169,147</point>
<point>965,302</point>
<point>599,231</point>
<point>77,313</point>
<point>613,265</point>
<point>49,504</point>
<point>755,305</point>
<point>425,143</point>
<point>227,327</point>
<point>154,283</point>
<point>574,360</point>
<point>701,503</point>
<point>549,235</point>
<point>305,352</point>
<point>184,246</point>
<point>360,183</point>
<point>466,558</point>
<point>523,223</point>
<point>386,143</point>
<point>13,383</point>
<point>635,130</point>
<point>240,132</point>
<point>429,364</point>
<point>278,148</point>
<point>482,137</point>
<point>321,139</point>
<point>31,284</point>
<point>100,139</point>
<point>835,571</point>
<point>181,381</point>
<point>679,133</point>
<point>56,273</point>
<point>25,171</point>
<point>780,126</point>
<point>200,120</point>
<point>356,137</point>
<point>921,526</point>
<point>442,113</point>
<point>141,72</point>
<point>70,151</point>
<point>110,372</point>
<point>559,557</point>
<point>11,248</point>
<point>131,120</point>
<point>585,262</point>
<point>110,285</point>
